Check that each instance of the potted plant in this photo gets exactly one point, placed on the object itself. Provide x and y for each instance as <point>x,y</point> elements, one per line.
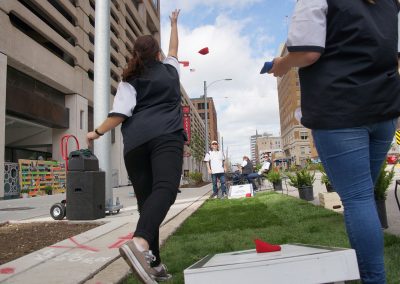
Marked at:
<point>303,180</point>
<point>324,179</point>
<point>381,186</point>
<point>49,190</point>
<point>275,178</point>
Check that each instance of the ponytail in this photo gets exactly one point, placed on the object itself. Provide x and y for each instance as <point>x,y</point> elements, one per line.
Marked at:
<point>135,67</point>
<point>146,49</point>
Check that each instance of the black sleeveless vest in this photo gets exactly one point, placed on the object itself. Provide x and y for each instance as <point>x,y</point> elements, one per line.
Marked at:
<point>158,106</point>
<point>248,169</point>
<point>356,80</point>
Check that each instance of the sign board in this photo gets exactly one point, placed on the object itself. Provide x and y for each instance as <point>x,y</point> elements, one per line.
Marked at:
<point>240,191</point>
<point>295,263</point>
<point>398,137</point>
<point>186,122</point>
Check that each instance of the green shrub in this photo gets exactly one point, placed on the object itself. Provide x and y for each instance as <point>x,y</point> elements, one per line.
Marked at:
<point>302,178</point>
<point>274,176</point>
<point>195,178</point>
<point>382,183</point>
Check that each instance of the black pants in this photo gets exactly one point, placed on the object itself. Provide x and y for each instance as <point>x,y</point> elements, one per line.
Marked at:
<point>155,170</point>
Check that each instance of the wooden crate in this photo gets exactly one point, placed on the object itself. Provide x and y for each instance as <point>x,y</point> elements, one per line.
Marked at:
<point>330,200</point>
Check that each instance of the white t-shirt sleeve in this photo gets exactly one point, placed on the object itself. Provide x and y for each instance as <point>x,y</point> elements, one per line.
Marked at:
<point>170,60</point>
<point>207,157</point>
<point>307,31</point>
<point>124,101</point>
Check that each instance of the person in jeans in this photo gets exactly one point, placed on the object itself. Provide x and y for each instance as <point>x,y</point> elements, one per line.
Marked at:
<point>347,54</point>
<point>215,160</point>
<point>148,104</point>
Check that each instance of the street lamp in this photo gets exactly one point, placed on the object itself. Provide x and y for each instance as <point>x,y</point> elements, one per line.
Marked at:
<point>205,106</point>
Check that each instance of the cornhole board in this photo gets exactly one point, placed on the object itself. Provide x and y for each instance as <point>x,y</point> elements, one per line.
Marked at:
<point>295,263</point>
<point>240,191</point>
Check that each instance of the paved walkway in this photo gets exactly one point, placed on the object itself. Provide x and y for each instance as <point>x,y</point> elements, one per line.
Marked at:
<point>80,258</point>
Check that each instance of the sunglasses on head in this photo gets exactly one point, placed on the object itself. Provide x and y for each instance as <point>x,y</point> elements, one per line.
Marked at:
<point>214,144</point>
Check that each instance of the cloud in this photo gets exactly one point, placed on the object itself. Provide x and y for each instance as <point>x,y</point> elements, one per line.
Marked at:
<point>252,100</point>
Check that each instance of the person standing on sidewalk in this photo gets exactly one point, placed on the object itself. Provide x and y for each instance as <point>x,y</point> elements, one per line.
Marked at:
<point>215,160</point>
<point>347,52</point>
<point>148,104</point>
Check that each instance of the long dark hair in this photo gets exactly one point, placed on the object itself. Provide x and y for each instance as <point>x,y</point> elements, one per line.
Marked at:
<point>146,48</point>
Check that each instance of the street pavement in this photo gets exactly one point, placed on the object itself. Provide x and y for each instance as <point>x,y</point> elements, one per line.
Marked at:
<point>92,254</point>
<point>93,258</point>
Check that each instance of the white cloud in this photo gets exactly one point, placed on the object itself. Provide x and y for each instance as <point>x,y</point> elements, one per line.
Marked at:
<point>252,101</point>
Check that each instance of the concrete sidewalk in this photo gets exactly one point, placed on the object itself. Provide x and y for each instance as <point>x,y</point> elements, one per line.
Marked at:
<point>92,256</point>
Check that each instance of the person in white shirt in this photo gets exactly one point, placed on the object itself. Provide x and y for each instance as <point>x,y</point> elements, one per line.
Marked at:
<point>264,169</point>
<point>215,160</point>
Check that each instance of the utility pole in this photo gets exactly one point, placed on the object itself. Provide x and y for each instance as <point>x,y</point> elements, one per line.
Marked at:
<point>101,96</point>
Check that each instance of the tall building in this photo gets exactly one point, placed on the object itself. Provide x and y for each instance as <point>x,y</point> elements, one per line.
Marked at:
<point>47,72</point>
<point>266,146</point>
<point>295,137</point>
<point>253,148</point>
<point>211,117</point>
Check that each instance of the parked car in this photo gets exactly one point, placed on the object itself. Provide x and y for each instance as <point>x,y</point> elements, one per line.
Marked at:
<point>391,159</point>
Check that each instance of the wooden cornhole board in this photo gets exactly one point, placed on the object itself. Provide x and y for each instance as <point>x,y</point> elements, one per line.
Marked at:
<point>295,263</point>
<point>240,191</point>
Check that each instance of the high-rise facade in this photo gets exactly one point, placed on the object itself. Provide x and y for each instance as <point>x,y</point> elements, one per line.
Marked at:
<point>253,147</point>
<point>211,116</point>
<point>295,137</point>
<point>47,72</point>
<point>266,146</point>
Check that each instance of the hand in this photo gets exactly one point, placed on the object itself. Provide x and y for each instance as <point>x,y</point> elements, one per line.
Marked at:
<point>209,171</point>
<point>90,137</point>
<point>174,16</point>
<point>279,68</point>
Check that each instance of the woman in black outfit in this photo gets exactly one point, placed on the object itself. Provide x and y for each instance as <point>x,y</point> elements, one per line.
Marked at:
<point>148,104</point>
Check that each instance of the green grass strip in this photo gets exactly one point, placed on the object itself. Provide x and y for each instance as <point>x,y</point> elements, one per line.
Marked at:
<point>230,225</point>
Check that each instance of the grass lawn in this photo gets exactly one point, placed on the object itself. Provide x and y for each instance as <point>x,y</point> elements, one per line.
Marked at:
<point>230,225</point>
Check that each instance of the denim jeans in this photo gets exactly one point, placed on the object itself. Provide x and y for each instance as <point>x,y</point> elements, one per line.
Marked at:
<point>251,179</point>
<point>221,177</point>
<point>352,158</point>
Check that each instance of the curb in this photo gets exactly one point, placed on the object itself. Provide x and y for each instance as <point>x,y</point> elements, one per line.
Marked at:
<point>118,270</point>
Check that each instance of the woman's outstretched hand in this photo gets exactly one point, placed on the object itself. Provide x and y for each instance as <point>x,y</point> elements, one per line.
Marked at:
<point>174,16</point>
<point>90,137</point>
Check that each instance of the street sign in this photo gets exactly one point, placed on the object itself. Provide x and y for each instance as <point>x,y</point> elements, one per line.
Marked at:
<point>398,137</point>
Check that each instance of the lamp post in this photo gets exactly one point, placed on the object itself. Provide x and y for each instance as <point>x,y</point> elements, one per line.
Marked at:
<point>205,106</point>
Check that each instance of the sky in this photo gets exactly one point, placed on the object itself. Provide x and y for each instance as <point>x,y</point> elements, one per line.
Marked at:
<point>241,36</point>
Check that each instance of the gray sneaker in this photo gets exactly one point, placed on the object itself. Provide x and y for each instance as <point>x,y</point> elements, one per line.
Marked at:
<point>162,275</point>
<point>138,261</point>
<point>214,195</point>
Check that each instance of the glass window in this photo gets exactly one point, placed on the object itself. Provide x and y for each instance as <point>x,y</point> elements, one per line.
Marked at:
<point>303,135</point>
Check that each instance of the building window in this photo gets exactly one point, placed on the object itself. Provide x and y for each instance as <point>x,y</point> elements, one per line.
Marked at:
<point>303,150</point>
<point>81,119</point>
<point>303,135</point>
<point>155,3</point>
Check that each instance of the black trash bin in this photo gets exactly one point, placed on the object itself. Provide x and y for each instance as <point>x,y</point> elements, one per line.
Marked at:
<point>85,187</point>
